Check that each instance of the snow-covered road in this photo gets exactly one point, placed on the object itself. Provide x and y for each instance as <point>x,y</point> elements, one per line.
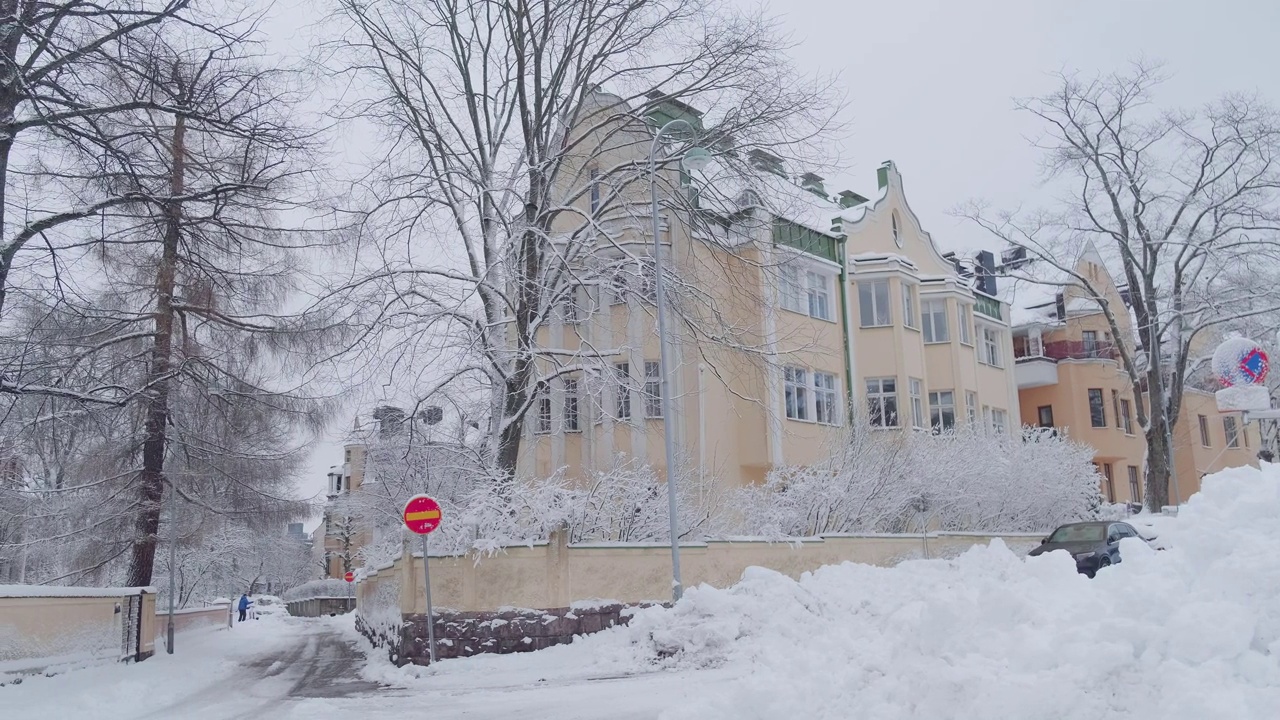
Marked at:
<point>280,668</point>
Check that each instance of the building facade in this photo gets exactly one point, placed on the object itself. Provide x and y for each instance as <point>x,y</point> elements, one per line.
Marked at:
<point>795,308</point>
<point>1069,377</point>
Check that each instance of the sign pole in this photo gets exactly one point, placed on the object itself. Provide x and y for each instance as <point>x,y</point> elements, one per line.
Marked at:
<point>431,620</point>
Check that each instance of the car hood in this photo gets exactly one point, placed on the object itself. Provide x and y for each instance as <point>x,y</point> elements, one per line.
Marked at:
<point>1075,548</point>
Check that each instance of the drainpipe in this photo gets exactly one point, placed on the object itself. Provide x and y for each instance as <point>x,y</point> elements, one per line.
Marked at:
<point>844,326</point>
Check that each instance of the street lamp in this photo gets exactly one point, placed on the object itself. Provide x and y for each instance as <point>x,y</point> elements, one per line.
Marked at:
<point>694,158</point>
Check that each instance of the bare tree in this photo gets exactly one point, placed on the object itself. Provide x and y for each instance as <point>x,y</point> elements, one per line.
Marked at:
<point>1183,205</point>
<point>513,169</point>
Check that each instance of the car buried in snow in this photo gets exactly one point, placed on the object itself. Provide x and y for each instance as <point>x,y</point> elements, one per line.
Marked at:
<point>1094,545</point>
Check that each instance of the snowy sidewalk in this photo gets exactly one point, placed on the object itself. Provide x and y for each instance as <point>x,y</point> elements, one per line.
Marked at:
<point>254,670</point>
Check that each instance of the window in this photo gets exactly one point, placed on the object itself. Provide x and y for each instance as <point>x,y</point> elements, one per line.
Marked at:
<point>1115,408</point>
<point>796,381</point>
<point>971,407</point>
<point>826,408</point>
<point>986,416</point>
<point>1204,431</point>
<point>792,295</point>
<point>990,347</point>
<point>1126,417</point>
<point>571,405</point>
<point>964,313</point>
<point>622,371</point>
<point>649,282</point>
<point>819,296</point>
<point>1111,482</point>
<point>652,389</point>
<point>882,402</point>
<point>1097,408</point>
<point>909,306</point>
<point>999,421</point>
<point>595,189</point>
<point>1135,487</point>
<point>1046,415</point>
<point>543,424</point>
<point>915,390</point>
<point>935,321</point>
<point>873,303</point>
<point>618,285</point>
<point>942,410</point>
<point>1232,431</point>
<point>1090,343</point>
<point>346,456</point>
<point>571,306</point>
<point>897,233</point>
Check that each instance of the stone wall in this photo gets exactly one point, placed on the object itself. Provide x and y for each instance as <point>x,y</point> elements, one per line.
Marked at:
<point>463,634</point>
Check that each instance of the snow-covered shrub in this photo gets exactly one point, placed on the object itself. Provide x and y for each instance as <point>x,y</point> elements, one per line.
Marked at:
<point>626,502</point>
<point>327,588</point>
<point>961,481</point>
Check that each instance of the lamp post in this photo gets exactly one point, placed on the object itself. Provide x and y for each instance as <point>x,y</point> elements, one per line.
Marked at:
<point>694,159</point>
<point>173,570</point>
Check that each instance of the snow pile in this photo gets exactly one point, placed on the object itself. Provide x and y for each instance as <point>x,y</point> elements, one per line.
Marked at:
<point>326,588</point>
<point>1191,632</point>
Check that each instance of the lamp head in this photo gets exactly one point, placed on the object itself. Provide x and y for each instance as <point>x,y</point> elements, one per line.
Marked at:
<point>695,159</point>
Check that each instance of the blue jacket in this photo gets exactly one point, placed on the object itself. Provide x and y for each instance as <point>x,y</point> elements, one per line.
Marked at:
<point>244,602</point>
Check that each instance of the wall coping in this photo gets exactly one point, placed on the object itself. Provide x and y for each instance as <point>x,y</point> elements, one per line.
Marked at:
<point>50,591</point>
<point>192,611</point>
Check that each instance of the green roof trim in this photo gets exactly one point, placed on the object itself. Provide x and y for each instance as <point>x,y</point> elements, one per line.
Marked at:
<point>671,109</point>
<point>794,235</point>
<point>987,306</point>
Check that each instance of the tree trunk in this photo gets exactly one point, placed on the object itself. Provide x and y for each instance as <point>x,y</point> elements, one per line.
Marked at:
<point>1159,458</point>
<point>155,441</point>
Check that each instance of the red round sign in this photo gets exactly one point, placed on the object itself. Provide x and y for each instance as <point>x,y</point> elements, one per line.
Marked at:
<point>349,577</point>
<point>422,514</point>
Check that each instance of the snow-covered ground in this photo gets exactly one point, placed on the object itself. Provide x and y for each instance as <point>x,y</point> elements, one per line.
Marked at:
<point>1189,632</point>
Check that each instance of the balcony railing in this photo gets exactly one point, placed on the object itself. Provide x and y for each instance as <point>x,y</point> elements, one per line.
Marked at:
<point>1026,349</point>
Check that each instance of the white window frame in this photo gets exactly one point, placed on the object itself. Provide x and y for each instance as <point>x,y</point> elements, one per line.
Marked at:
<point>991,352</point>
<point>622,400</point>
<point>930,312</point>
<point>652,390</point>
<point>826,398</point>
<point>879,397</point>
<point>795,381</point>
<point>1231,430</point>
<point>871,306</point>
<point>572,309</point>
<point>818,293</point>
<point>971,407</point>
<point>542,412</point>
<point>791,294</point>
<point>915,390</point>
<point>940,401</point>
<point>910,318</point>
<point>999,421</point>
<point>571,415</point>
<point>964,316</point>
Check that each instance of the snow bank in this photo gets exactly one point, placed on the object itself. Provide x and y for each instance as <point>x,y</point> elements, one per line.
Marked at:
<point>326,588</point>
<point>1191,632</point>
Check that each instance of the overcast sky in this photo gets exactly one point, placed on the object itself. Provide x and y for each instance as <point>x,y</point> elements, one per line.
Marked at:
<point>931,83</point>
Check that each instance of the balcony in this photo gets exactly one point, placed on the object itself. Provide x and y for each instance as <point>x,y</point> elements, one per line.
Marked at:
<point>1037,362</point>
<point>1034,372</point>
<point>1031,348</point>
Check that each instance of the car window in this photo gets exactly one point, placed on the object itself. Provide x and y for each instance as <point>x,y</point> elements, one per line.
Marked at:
<point>1078,533</point>
<point>1127,531</point>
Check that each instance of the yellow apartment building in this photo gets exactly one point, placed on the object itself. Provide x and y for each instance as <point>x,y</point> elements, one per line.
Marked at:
<point>796,308</point>
<point>1069,377</point>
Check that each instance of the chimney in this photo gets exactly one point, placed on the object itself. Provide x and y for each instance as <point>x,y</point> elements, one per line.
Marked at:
<point>390,419</point>
<point>849,198</point>
<point>813,183</point>
<point>882,174</point>
<point>985,270</point>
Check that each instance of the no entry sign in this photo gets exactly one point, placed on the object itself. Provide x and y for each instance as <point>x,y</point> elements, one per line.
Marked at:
<point>349,577</point>
<point>422,514</point>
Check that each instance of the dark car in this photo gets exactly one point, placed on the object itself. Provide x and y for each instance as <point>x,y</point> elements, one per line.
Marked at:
<point>1094,545</point>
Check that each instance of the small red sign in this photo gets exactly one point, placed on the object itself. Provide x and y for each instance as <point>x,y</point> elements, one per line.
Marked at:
<point>349,577</point>
<point>422,514</point>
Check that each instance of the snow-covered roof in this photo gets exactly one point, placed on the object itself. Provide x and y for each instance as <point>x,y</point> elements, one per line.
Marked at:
<point>724,188</point>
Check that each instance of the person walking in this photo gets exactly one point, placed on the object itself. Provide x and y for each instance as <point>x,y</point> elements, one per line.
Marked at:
<point>244,606</point>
